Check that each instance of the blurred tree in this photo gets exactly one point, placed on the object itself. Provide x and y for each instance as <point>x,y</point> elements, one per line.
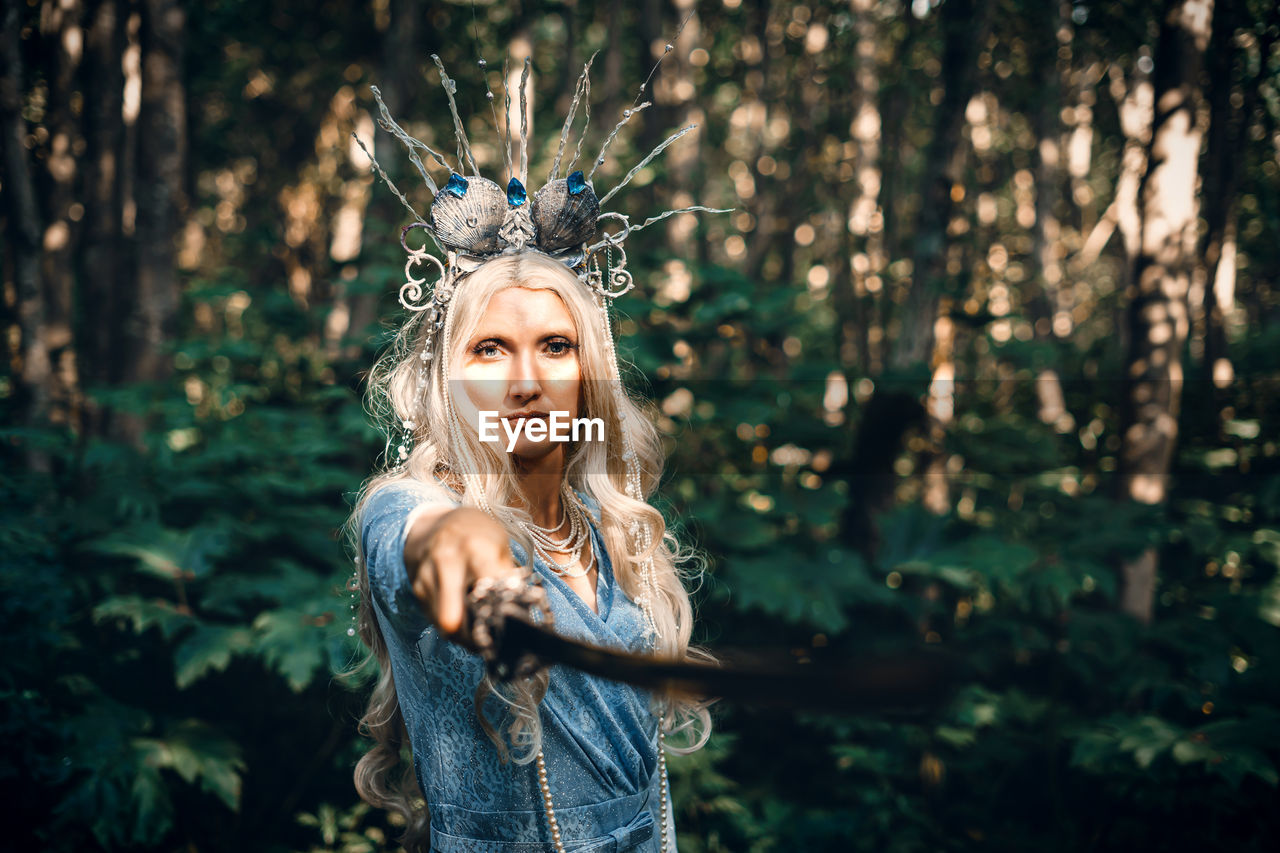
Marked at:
<point>1158,310</point>
<point>23,220</point>
<point>162,199</point>
<point>1233,92</point>
<point>61,27</point>
<point>105,254</point>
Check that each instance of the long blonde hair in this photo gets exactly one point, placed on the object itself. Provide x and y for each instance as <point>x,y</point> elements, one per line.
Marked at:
<point>444,450</point>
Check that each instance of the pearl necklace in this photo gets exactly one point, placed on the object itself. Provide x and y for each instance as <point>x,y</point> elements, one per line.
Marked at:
<point>545,542</point>
<point>664,789</point>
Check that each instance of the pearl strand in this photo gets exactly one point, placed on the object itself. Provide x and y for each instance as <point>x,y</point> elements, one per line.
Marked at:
<point>353,586</point>
<point>547,806</point>
<point>579,536</point>
<point>664,792</point>
<point>641,534</point>
<point>664,786</point>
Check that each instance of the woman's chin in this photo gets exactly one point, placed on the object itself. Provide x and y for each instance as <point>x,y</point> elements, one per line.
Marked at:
<point>531,453</point>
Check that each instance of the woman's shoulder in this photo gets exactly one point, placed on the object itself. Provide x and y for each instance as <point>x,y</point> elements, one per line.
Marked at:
<point>407,492</point>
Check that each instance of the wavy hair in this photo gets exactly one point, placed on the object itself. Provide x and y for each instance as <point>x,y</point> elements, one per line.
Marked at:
<point>445,449</point>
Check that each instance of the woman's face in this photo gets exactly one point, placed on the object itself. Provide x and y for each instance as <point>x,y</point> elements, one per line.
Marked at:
<point>522,363</point>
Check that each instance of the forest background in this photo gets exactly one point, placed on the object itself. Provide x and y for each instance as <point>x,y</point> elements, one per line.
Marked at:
<point>985,357</point>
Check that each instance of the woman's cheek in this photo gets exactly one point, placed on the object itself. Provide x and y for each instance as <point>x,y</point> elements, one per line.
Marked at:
<point>565,395</point>
<point>483,389</point>
<point>565,381</point>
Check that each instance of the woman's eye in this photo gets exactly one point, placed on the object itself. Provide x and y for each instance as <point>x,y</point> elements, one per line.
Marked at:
<point>559,347</point>
<point>486,349</point>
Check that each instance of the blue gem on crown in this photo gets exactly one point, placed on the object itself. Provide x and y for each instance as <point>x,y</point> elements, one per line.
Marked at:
<point>457,185</point>
<point>516,195</point>
<point>577,183</point>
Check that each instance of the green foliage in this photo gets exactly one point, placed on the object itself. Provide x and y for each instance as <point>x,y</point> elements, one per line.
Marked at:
<point>175,612</point>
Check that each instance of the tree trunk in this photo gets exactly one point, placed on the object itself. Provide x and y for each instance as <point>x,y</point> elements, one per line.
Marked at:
<point>397,77</point>
<point>965,25</point>
<point>162,203</point>
<point>101,274</point>
<point>893,105</point>
<point>940,411</point>
<point>863,231</point>
<point>1045,301</point>
<point>612,59</point>
<point>23,217</point>
<point>1224,152</point>
<point>896,406</point>
<point>1158,309</point>
<point>1134,103</point>
<point>62,36</point>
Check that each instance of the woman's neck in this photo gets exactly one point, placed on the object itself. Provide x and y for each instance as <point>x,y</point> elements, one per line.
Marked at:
<point>540,483</point>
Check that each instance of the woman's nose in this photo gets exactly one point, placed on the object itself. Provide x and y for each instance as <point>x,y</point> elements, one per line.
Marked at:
<point>524,382</point>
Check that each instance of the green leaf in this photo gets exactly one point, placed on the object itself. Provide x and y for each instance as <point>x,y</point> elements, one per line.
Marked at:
<point>1269,602</point>
<point>291,644</point>
<point>1236,764</point>
<point>1147,738</point>
<point>166,553</point>
<point>198,753</point>
<point>152,808</point>
<point>143,614</point>
<point>208,648</point>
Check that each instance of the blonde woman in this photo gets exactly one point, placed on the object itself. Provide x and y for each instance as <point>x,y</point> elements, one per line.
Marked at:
<point>568,761</point>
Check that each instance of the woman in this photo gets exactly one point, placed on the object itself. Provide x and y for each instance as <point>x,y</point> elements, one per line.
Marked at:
<point>568,761</point>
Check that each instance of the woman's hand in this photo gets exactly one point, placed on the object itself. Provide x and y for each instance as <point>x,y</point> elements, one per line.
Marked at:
<point>447,551</point>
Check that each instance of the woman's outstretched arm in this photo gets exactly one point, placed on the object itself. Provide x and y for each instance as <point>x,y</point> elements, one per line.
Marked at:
<point>447,550</point>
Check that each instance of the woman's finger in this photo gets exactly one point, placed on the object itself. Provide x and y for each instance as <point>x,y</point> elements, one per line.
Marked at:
<point>451,586</point>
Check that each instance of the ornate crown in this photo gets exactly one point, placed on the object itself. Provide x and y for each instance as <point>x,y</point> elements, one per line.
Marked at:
<point>473,219</point>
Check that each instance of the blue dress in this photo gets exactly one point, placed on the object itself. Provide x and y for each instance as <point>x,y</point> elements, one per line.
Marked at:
<point>599,737</point>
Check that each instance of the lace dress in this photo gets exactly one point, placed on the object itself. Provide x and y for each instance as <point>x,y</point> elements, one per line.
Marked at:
<point>599,737</point>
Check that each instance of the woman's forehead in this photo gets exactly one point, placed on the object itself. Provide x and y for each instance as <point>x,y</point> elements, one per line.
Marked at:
<point>527,306</point>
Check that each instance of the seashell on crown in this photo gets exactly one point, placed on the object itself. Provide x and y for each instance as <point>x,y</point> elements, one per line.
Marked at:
<point>468,215</point>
